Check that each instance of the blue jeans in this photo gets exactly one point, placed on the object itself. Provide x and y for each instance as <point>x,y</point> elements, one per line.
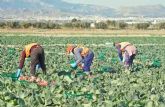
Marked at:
<point>88,61</point>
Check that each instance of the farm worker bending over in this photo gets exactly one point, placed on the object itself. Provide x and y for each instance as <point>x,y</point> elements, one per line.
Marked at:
<point>83,56</point>
<point>126,53</point>
<point>36,53</point>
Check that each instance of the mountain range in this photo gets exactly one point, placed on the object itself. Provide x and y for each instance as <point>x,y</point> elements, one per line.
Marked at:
<point>58,8</point>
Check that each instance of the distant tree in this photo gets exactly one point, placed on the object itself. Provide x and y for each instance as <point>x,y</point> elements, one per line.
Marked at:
<point>101,25</point>
<point>161,25</point>
<point>2,24</point>
<point>74,20</point>
<point>85,25</point>
<point>9,24</point>
<point>142,26</point>
<point>76,24</point>
<point>16,24</point>
<point>12,24</point>
<point>51,25</point>
<point>44,25</point>
<point>57,26</point>
<point>122,25</point>
<point>111,23</point>
<point>41,25</point>
<point>25,24</point>
<point>68,25</point>
<point>37,25</point>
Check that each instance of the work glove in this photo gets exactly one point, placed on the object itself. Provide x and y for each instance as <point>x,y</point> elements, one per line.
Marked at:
<point>71,54</point>
<point>120,59</point>
<point>18,73</point>
<point>123,59</point>
<point>38,66</point>
<point>73,65</point>
<point>81,65</point>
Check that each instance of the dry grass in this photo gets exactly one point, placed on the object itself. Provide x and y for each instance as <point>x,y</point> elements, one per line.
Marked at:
<point>84,32</point>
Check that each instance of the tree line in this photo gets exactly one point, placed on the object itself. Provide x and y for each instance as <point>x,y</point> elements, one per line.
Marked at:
<point>78,24</point>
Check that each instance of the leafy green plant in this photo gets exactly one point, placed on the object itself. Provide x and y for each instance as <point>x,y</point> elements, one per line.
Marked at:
<point>144,87</point>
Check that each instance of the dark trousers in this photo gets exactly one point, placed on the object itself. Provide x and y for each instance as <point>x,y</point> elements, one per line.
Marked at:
<point>129,60</point>
<point>37,57</point>
<point>88,61</point>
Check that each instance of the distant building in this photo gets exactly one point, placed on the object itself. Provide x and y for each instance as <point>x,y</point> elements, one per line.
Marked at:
<point>92,25</point>
<point>155,22</point>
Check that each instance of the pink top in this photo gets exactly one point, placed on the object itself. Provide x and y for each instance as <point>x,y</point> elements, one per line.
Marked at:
<point>131,49</point>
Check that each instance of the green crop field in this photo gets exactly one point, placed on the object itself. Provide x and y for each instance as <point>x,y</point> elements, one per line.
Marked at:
<point>110,86</point>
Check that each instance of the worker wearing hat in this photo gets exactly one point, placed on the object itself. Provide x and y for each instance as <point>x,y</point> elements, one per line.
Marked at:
<point>83,56</point>
<point>126,53</point>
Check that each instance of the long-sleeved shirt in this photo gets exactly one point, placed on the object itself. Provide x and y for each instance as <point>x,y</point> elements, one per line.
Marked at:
<point>22,59</point>
<point>77,55</point>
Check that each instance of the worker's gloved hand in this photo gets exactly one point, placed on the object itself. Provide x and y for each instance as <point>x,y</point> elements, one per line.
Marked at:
<point>71,54</point>
<point>123,59</point>
<point>120,59</point>
<point>18,73</point>
<point>38,66</point>
<point>73,65</point>
<point>81,65</point>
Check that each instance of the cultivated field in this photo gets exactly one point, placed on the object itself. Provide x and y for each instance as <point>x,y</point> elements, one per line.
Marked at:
<point>110,86</point>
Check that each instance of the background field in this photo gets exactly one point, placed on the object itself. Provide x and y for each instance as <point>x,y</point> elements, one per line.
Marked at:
<point>83,32</point>
<point>144,87</point>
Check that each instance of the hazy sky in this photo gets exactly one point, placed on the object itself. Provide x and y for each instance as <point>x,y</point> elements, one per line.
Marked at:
<point>118,3</point>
